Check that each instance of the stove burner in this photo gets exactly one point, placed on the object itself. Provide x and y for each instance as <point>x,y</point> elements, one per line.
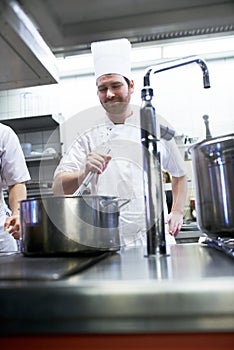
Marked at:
<point>224,245</point>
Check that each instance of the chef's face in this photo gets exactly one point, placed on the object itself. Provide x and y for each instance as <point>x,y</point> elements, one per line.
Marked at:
<point>114,93</point>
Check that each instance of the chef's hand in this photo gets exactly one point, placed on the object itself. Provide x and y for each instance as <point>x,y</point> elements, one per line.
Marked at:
<point>97,162</point>
<point>175,222</point>
<point>12,226</point>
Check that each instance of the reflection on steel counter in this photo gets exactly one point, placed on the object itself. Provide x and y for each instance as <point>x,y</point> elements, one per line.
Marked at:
<point>18,267</point>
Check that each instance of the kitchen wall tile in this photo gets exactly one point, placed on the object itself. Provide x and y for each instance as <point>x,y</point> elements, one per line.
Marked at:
<point>3,93</point>
<point>178,96</point>
<point>4,116</point>
<point>14,104</point>
<point>4,104</point>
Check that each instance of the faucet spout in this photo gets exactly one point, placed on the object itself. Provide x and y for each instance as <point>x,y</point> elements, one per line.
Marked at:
<point>177,63</point>
<point>153,192</point>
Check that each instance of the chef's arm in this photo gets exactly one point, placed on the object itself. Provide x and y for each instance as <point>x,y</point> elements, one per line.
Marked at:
<point>179,193</point>
<point>16,193</point>
<point>66,183</point>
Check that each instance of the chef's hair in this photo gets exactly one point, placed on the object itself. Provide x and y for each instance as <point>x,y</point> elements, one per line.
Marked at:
<point>127,81</point>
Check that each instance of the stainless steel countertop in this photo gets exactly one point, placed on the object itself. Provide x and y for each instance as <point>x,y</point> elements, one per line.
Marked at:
<point>189,289</point>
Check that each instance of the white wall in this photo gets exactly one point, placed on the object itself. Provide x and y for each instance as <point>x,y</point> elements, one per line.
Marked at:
<point>179,97</point>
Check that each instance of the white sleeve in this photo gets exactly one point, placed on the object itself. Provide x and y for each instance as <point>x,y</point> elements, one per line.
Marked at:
<point>74,158</point>
<point>171,158</point>
<point>13,166</point>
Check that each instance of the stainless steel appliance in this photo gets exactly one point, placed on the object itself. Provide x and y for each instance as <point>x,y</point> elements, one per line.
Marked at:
<point>70,225</point>
<point>213,165</point>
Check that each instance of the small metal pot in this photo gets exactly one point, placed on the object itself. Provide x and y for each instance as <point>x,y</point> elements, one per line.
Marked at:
<point>213,166</point>
<point>70,225</point>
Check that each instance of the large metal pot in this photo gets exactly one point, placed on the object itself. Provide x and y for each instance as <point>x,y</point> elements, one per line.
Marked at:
<point>69,225</point>
<point>213,166</point>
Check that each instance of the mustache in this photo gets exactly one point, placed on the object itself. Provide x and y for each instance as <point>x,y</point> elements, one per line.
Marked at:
<point>112,99</point>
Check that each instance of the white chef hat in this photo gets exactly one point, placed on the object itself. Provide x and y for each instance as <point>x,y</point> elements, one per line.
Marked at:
<point>112,56</point>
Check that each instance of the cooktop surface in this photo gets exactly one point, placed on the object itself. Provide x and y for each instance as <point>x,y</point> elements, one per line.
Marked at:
<point>14,266</point>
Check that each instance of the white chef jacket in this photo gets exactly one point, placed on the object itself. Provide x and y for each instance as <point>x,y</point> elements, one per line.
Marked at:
<point>123,176</point>
<point>13,170</point>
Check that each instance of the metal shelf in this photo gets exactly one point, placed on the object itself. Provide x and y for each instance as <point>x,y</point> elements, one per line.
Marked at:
<point>32,124</point>
<point>43,132</point>
<point>41,159</point>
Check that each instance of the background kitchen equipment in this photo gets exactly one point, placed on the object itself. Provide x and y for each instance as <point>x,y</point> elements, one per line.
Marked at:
<point>42,132</point>
<point>70,225</point>
<point>206,121</point>
<point>26,148</point>
<point>190,214</point>
<point>225,246</point>
<point>213,165</point>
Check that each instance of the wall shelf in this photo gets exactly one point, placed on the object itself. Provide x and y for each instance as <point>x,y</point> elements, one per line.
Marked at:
<point>42,159</point>
<point>43,132</point>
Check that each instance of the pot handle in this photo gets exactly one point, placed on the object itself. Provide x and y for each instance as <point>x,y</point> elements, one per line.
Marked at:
<point>125,201</point>
<point>115,201</point>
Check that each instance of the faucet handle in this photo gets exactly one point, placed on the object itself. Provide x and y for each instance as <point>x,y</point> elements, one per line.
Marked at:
<point>206,120</point>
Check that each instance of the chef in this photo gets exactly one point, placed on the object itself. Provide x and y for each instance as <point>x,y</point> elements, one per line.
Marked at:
<point>112,148</point>
<point>13,175</point>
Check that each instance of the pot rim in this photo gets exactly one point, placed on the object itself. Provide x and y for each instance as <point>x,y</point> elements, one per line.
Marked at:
<point>213,140</point>
<point>71,196</point>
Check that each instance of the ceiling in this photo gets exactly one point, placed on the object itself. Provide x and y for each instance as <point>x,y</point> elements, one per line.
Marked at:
<point>69,26</point>
<point>34,32</point>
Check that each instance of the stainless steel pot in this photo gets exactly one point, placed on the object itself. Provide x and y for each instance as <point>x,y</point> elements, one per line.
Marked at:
<point>213,166</point>
<point>70,225</point>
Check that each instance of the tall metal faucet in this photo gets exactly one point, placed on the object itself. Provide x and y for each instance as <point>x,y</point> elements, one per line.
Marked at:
<point>150,135</point>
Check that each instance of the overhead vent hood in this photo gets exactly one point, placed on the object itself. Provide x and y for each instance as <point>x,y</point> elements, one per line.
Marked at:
<point>26,60</point>
<point>70,26</point>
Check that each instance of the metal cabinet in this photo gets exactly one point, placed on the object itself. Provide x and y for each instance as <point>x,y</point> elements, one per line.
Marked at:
<point>43,133</point>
